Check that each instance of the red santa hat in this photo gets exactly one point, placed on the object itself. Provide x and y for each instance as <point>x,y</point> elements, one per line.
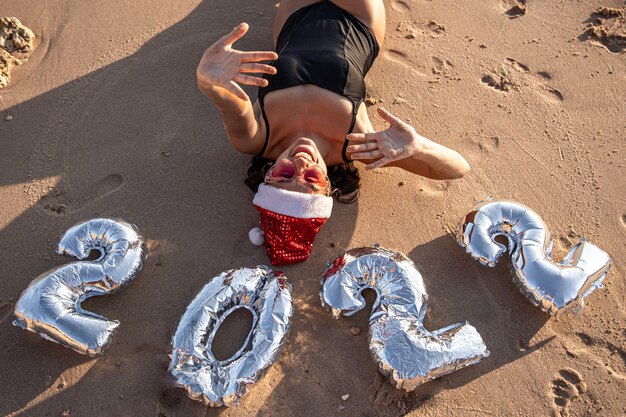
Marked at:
<point>290,221</point>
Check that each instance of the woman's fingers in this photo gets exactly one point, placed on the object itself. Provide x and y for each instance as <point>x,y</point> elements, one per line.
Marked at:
<point>256,56</point>
<point>361,137</point>
<point>236,34</point>
<point>257,68</point>
<point>250,80</point>
<point>388,117</point>
<point>367,155</point>
<point>236,90</point>
<point>362,147</point>
<point>377,164</point>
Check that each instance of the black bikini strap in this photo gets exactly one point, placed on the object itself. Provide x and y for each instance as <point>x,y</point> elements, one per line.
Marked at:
<point>265,90</point>
<point>355,110</point>
<point>267,124</point>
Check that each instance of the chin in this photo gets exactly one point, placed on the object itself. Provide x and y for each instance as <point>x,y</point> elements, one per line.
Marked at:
<point>306,148</point>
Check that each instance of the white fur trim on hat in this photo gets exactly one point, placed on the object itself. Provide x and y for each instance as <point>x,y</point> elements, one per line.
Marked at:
<point>292,203</point>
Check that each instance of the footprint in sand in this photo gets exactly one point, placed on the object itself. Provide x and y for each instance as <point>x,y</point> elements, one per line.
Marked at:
<point>551,95</point>
<point>567,386</point>
<point>55,201</point>
<point>487,145</point>
<point>395,55</point>
<point>507,77</point>
<point>441,66</point>
<point>401,58</point>
<point>545,75</point>
<point>518,66</point>
<point>613,356</point>
<point>436,28</point>
<point>514,75</point>
<point>498,81</point>
<point>400,6</point>
<point>413,29</point>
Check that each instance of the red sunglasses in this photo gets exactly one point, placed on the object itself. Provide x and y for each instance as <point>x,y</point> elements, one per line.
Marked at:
<point>284,170</point>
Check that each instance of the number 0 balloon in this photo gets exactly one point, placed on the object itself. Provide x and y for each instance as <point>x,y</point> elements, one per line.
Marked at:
<point>50,305</point>
<point>553,287</point>
<point>405,351</point>
<point>267,295</point>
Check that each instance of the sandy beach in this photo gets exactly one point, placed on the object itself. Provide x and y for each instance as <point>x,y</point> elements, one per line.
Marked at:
<point>103,118</point>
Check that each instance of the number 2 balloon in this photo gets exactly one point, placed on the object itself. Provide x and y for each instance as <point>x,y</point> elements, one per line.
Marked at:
<point>554,287</point>
<point>405,351</point>
<point>50,305</point>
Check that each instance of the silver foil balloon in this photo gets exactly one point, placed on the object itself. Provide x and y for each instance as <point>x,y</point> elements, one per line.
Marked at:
<point>267,295</point>
<point>405,351</point>
<point>554,287</point>
<point>50,305</point>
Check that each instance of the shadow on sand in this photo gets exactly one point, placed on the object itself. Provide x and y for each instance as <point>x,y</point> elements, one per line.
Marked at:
<point>134,139</point>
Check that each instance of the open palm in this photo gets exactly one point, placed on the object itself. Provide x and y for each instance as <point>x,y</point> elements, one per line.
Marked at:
<point>399,141</point>
<point>225,67</point>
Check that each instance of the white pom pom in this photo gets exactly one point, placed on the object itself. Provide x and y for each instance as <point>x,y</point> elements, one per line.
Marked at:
<point>256,236</point>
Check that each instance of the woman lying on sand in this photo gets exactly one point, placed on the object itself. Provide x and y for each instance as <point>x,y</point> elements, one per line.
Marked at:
<point>309,122</point>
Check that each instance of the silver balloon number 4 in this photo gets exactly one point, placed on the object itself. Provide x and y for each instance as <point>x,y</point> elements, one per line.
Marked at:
<point>405,351</point>
<point>51,304</point>
<point>554,287</point>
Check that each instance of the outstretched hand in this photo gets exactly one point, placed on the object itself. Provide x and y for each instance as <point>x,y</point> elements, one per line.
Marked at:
<point>399,141</point>
<point>225,67</point>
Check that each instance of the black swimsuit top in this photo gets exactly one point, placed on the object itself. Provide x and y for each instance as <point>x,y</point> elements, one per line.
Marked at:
<point>323,45</point>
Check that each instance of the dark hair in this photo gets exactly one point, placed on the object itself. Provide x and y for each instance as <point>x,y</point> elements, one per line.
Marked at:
<point>344,178</point>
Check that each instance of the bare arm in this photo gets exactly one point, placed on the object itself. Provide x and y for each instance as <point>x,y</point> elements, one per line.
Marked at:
<point>220,70</point>
<point>402,147</point>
